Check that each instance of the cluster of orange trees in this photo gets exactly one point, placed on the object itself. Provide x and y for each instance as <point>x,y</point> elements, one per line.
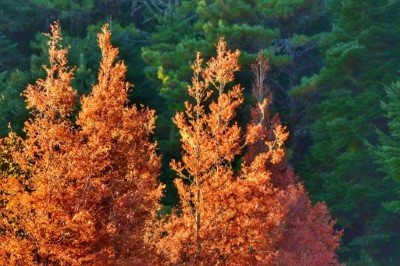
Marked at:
<point>81,187</point>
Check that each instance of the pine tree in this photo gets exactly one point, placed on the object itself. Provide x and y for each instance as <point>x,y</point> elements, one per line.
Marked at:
<point>84,191</point>
<point>388,151</point>
<point>360,56</point>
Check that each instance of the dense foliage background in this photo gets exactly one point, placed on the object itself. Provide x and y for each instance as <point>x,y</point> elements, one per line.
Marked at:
<point>334,71</point>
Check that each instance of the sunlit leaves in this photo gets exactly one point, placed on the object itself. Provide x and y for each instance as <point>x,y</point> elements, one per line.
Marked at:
<point>77,193</point>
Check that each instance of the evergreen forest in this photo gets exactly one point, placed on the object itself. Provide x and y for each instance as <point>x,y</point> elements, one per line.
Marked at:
<point>197,132</point>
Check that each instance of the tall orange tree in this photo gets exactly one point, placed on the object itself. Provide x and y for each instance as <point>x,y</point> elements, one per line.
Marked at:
<point>84,191</point>
<point>308,236</point>
<point>33,215</point>
<point>228,216</point>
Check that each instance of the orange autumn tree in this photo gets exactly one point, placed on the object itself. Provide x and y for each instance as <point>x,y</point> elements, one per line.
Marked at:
<point>308,234</point>
<point>117,164</point>
<point>31,197</point>
<point>228,217</point>
<point>213,224</point>
<point>84,191</point>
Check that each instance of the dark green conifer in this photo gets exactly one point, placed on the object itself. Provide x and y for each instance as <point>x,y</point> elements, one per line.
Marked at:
<point>361,56</point>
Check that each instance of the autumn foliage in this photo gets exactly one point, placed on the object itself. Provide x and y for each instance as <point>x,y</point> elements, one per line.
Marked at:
<point>256,215</point>
<point>307,234</point>
<point>82,187</point>
<point>79,192</point>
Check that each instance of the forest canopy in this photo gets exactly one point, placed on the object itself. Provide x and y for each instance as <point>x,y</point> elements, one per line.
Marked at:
<point>150,158</point>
